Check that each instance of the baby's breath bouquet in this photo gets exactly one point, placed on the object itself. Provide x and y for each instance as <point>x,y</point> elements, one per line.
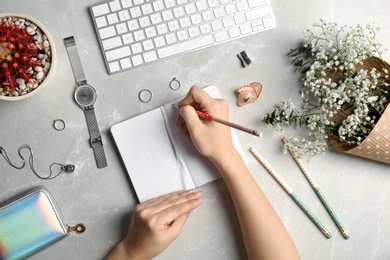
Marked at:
<point>345,88</point>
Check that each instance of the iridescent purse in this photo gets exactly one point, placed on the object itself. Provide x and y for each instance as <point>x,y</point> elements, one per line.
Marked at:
<point>30,224</point>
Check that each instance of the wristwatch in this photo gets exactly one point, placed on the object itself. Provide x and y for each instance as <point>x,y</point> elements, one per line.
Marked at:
<point>85,96</point>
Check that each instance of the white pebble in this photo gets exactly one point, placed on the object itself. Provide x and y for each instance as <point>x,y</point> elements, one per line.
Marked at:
<point>47,65</point>
<point>33,26</point>
<point>39,75</point>
<point>30,31</point>
<point>38,68</point>
<point>20,81</point>
<point>22,86</point>
<point>46,44</point>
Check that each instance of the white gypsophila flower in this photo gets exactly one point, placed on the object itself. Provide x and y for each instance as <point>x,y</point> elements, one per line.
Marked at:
<point>345,88</point>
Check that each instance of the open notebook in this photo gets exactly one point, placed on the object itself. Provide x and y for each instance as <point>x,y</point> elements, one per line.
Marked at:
<point>158,157</point>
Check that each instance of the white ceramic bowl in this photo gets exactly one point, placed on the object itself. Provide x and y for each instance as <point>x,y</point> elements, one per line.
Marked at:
<point>51,70</point>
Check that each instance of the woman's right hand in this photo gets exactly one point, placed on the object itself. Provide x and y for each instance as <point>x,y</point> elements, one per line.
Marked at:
<point>211,139</point>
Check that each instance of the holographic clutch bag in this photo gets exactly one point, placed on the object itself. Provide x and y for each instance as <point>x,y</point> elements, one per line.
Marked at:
<point>30,224</point>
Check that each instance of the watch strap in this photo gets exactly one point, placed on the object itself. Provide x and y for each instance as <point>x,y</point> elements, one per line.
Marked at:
<point>95,137</point>
<point>75,61</point>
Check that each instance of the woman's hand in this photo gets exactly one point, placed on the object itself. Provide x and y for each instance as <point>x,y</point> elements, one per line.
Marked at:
<point>211,139</point>
<point>155,224</point>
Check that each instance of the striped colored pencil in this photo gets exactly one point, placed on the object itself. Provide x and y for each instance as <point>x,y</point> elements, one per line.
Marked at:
<point>291,193</point>
<point>319,193</point>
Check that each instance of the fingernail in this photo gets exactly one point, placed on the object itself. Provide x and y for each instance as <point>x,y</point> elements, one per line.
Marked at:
<point>198,193</point>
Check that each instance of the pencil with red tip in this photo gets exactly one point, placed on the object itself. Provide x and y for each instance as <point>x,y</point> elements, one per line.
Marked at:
<point>206,116</point>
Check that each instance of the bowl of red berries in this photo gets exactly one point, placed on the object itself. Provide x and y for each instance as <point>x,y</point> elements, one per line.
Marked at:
<point>26,56</point>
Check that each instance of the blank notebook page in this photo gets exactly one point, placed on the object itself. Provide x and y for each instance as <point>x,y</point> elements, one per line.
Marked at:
<point>148,155</point>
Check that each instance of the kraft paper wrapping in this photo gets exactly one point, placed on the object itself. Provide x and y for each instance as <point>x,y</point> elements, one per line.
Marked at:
<point>376,146</point>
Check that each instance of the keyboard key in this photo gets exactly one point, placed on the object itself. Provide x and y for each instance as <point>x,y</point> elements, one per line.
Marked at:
<point>196,19</point>
<point>114,66</point>
<point>219,12</point>
<point>135,12</point>
<point>112,18</point>
<point>162,29</point>
<point>127,3</point>
<point>201,5</point>
<point>124,15</point>
<point>230,9</point>
<point>148,45</point>
<point>100,10</point>
<point>150,56</point>
<point>221,36</point>
<point>115,6</point>
<point>190,8</point>
<point>255,3</point>
<point>112,43</point>
<point>185,46</point>
<point>268,22</point>
<point>185,22</point>
<point>213,3</point>
<point>147,9</point>
<point>228,22</point>
<point>139,35</point>
<point>207,16</point>
<point>169,3</point>
<point>194,31</point>
<point>242,6</point>
<point>239,18</point>
<point>127,38</point>
<point>137,60</point>
<point>150,32</point>
<point>118,53</point>
<point>159,41</point>
<point>182,35</point>
<point>205,28</point>
<point>257,13</point>
<point>136,48</point>
<point>257,25</point>
<point>121,28</point>
<point>156,18</point>
<point>107,32</point>
<point>125,63</point>
<point>173,26</point>
<point>245,29</point>
<point>179,12</point>
<point>101,21</point>
<point>158,5</point>
<point>170,38</point>
<point>234,32</point>
<point>216,25</point>
<point>144,21</point>
<point>167,15</point>
<point>133,25</point>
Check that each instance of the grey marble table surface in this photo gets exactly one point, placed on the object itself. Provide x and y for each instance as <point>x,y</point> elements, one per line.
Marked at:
<point>103,199</point>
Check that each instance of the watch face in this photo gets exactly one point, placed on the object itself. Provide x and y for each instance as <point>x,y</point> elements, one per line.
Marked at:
<point>85,95</point>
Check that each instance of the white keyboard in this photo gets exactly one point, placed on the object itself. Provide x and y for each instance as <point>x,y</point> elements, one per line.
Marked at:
<point>133,33</point>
